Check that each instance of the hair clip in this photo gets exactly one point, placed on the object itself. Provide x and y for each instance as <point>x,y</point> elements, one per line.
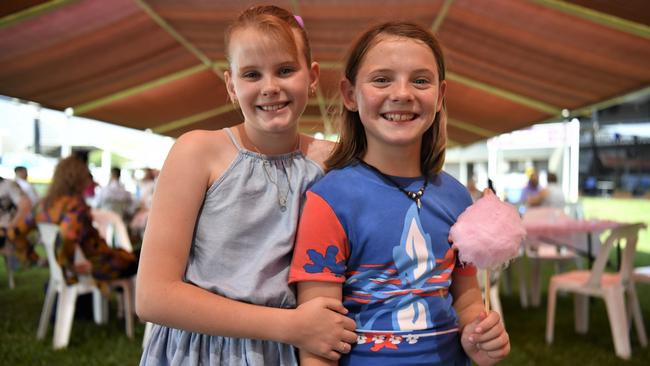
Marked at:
<point>300,21</point>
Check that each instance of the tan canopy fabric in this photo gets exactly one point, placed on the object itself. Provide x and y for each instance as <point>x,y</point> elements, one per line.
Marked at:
<point>158,64</point>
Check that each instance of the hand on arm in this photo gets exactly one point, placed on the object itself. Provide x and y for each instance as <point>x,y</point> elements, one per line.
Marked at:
<point>483,335</point>
<point>329,333</point>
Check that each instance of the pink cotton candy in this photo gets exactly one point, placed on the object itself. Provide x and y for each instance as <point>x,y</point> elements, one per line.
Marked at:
<point>488,233</point>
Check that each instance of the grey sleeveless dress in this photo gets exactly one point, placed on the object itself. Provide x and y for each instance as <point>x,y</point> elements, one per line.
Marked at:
<point>242,249</point>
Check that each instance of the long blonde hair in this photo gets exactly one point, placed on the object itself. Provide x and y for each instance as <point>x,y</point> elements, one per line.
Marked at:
<point>352,141</point>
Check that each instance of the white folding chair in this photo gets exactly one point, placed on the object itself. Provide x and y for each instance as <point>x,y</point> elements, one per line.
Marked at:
<point>67,295</point>
<point>612,287</point>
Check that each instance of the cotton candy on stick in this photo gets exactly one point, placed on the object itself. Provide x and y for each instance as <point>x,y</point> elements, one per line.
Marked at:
<point>488,234</point>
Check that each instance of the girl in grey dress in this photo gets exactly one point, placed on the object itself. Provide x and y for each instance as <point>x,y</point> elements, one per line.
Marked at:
<point>216,251</point>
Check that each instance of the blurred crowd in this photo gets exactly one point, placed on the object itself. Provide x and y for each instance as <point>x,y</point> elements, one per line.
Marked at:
<point>71,201</point>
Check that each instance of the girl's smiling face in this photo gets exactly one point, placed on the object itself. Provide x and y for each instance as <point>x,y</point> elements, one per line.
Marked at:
<point>270,84</point>
<point>397,92</point>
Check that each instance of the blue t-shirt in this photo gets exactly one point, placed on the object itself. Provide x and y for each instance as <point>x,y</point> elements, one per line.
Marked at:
<point>393,258</point>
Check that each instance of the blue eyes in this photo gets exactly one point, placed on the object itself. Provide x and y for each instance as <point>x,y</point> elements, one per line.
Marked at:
<point>286,71</point>
<point>255,75</point>
<point>251,75</point>
<point>382,81</point>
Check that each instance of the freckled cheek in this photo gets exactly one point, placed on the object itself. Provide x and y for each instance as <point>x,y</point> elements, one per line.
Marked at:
<point>370,102</point>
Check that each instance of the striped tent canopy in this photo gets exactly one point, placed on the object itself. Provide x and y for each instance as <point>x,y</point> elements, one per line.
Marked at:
<point>158,64</point>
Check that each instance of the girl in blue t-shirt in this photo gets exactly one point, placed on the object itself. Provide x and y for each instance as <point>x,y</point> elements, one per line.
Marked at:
<point>374,230</point>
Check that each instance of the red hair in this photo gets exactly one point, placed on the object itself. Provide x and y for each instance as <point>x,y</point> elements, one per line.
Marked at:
<point>274,21</point>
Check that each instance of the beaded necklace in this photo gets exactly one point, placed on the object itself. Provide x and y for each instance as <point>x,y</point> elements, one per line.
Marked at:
<point>415,196</point>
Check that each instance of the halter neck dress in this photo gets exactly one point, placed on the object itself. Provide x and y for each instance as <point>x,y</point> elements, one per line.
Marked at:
<point>241,249</point>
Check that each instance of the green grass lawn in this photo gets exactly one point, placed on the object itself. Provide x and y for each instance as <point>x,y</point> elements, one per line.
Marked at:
<point>624,210</point>
<point>92,344</point>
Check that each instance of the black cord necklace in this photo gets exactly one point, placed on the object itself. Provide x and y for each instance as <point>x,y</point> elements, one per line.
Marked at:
<point>415,196</point>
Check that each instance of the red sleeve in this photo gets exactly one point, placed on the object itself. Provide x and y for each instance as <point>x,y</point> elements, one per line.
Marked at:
<point>321,249</point>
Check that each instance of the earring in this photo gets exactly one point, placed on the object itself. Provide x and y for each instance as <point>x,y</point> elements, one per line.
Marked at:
<point>312,91</point>
<point>235,102</point>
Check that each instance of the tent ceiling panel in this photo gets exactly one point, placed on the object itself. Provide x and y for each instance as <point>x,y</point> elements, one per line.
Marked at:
<point>158,64</point>
<point>227,119</point>
<point>190,96</point>
<point>496,114</point>
<point>631,10</point>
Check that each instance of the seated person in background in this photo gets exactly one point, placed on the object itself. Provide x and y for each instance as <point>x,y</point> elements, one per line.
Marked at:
<point>65,206</point>
<point>21,180</point>
<point>550,196</point>
<point>14,206</point>
<point>531,189</point>
<point>114,196</point>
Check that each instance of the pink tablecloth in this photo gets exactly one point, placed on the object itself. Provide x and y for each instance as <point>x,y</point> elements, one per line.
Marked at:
<point>567,226</point>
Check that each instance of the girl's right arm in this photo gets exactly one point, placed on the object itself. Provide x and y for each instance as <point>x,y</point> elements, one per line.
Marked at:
<point>312,290</point>
<point>163,297</point>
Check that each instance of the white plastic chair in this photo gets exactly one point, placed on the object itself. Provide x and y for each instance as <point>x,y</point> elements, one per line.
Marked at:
<point>538,252</point>
<point>7,252</point>
<point>612,287</point>
<point>67,295</point>
<point>112,228</point>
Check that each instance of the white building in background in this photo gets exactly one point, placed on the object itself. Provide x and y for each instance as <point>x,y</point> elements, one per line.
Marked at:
<point>61,133</point>
<point>505,159</point>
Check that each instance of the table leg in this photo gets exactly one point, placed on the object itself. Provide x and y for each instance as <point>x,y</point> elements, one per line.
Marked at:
<point>590,256</point>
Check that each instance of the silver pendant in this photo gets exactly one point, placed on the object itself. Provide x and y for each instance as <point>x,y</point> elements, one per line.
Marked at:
<point>283,203</point>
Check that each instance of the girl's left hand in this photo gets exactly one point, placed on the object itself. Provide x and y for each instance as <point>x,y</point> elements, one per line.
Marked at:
<point>485,340</point>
